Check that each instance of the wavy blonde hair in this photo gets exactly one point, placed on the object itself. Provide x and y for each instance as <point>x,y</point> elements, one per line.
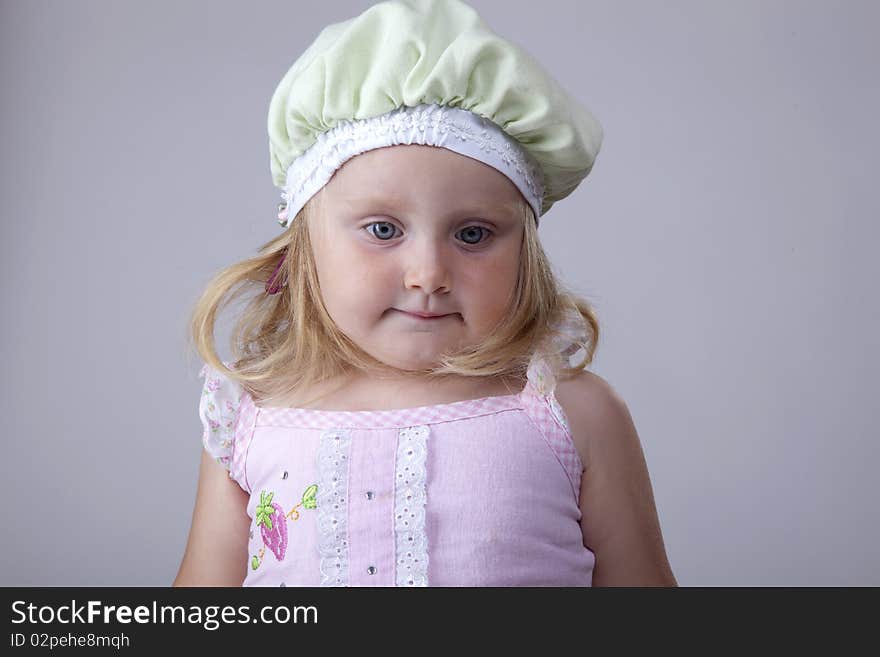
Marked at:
<point>286,342</point>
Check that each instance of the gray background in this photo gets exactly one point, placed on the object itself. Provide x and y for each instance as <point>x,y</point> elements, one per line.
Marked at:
<point>724,237</point>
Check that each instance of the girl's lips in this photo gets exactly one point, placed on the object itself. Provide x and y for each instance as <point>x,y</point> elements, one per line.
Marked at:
<point>422,317</point>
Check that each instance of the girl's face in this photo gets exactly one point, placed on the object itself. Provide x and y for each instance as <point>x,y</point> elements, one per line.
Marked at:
<point>421,229</point>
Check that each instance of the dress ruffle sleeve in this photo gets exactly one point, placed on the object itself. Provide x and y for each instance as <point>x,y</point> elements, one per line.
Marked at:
<point>219,409</point>
<point>556,352</point>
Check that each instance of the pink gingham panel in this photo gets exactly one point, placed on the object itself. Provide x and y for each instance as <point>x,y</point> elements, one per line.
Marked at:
<point>244,433</point>
<point>548,416</point>
<point>310,418</point>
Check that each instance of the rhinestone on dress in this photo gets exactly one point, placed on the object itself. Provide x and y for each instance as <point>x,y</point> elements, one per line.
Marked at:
<point>371,570</point>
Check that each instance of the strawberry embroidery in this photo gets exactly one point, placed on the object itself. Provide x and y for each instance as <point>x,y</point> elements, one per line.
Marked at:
<point>272,521</point>
<point>273,524</point>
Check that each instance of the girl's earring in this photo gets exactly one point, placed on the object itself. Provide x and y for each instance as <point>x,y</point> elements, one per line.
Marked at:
<point>282,213</point>
<point>273,286</point>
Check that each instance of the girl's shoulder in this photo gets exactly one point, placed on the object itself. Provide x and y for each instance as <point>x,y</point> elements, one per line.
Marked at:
<point>583,397</point>
<point>622,527</point>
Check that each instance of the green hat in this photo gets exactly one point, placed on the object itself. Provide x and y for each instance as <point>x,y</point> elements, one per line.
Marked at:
<point>426,72</point>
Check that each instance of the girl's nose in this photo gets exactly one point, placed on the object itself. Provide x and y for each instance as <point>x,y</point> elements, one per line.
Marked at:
<point>427,269</point>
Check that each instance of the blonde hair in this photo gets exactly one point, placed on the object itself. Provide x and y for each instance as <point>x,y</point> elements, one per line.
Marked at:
<point>288,341</point>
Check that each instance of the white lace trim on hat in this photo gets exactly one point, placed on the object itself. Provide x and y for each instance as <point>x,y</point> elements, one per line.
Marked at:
<point>453,128</point>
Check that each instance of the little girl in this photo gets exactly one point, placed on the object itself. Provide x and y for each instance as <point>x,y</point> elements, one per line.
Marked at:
<point>402,409</point>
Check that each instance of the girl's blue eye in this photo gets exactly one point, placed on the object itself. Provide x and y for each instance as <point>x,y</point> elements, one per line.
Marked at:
<point>384,234</point>
<point>387,232</point>
<point>476,235</point>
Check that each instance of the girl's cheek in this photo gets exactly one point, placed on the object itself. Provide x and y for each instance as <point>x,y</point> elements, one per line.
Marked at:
<point>347,252</point>
<point>358,256</point>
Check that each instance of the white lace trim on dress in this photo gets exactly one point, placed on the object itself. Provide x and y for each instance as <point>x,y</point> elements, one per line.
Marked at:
<point>409,507</point>
<point>332,506</point>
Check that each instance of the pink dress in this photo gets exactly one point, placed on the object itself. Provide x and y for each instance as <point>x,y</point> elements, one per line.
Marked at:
<point>481,492</point>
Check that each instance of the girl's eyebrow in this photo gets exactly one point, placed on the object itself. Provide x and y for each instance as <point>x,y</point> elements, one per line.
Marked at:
<point>395,201</point>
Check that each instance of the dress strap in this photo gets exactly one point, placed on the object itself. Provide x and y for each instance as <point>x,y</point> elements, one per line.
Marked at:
<point>540,400</point>
<point>541,404</point>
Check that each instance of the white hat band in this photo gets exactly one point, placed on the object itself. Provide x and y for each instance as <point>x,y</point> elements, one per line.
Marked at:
<point>453,128</point>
